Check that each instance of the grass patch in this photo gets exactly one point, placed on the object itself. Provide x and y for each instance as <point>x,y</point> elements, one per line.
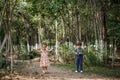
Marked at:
<point>103,71</point>
<point>66,66</point>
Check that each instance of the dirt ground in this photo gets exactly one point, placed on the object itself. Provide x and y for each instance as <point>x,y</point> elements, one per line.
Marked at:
<point>32,71</point>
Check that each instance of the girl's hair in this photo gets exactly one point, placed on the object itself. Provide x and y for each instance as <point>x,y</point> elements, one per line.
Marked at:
<point>78,43</point>
<point>44,43</point>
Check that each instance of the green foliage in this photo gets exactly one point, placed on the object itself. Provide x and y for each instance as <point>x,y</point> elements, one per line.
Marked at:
<point>1,5</point>
<point>29,56</point>
<point>29,15</point>
<point>4,63</point>
<point>92,58</point>
<point>66,66</point>
<point>112,20</point>
<point>66,54</point>
<point>2,34</point>
<point>104,71</point>
<point>34,54</point>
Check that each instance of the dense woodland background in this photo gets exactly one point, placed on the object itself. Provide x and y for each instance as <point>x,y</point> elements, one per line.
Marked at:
<point>24,24</point>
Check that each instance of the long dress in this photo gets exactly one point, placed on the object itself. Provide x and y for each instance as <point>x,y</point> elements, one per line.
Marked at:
<point>44,60</point>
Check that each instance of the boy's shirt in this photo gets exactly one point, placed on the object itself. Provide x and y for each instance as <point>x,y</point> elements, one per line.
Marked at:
<point>78,51</point>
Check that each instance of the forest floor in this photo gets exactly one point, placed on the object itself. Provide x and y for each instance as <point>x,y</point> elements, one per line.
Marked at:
<point>32,71</point>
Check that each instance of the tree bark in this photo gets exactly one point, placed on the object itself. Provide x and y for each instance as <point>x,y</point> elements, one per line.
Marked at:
<point>3,43</point>
<point>56,43</point>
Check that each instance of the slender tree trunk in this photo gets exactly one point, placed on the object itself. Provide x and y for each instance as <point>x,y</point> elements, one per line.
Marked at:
<point>69,29</point>
<point>72,27</point>
<point>94,20</point>
<point>103,19</point>
<point>39,37</point>
<point>80,28</point>
<point>3,43</point>
<point>28,45</point>
<point>56,44</point>
<point>77,25</point>
<point>9,17</point>
<point>2,14</point>
<point>0,45</point>
<point>63,28</point>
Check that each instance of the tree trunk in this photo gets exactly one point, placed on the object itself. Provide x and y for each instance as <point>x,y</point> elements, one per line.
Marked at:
<point>63,28</point>
<point>103,19</point>
<point>28,45</point>
<point>77,25</point>
<point>3,43</point>
<point>2,14</point>
<point>56,44</point>
<point>39,36</point>
<point>9,17</point>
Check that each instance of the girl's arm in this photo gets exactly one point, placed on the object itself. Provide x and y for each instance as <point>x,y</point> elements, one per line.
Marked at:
<point>50,50</point>
<point>37,51</point>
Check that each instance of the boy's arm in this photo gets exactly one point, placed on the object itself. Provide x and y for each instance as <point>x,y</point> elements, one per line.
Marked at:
<point>75,51</point>
<point>83,51</point>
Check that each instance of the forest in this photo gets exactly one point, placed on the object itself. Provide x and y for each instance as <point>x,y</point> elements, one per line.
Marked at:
<point>25,24</point>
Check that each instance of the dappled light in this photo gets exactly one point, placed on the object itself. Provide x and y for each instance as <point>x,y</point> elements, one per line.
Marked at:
<point>59,39</point>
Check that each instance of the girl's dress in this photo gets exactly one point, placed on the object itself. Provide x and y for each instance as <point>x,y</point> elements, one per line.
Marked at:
<point>44,60</point>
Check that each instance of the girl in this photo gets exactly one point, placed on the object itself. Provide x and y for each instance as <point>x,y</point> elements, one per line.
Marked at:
<point>44,60</point>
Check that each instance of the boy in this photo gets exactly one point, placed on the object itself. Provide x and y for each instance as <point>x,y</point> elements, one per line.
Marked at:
<point>79,57</point>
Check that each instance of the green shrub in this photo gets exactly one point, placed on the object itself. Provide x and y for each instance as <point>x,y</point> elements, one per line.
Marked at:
<point>26,56</point>
<point>4,63</point>
<point>33,54</point>
<point>66,54</point>
<point>92,58</point>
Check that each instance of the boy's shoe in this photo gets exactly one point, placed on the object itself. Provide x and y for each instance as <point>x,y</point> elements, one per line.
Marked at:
<point>76,71</point>
<point>81,71</point>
